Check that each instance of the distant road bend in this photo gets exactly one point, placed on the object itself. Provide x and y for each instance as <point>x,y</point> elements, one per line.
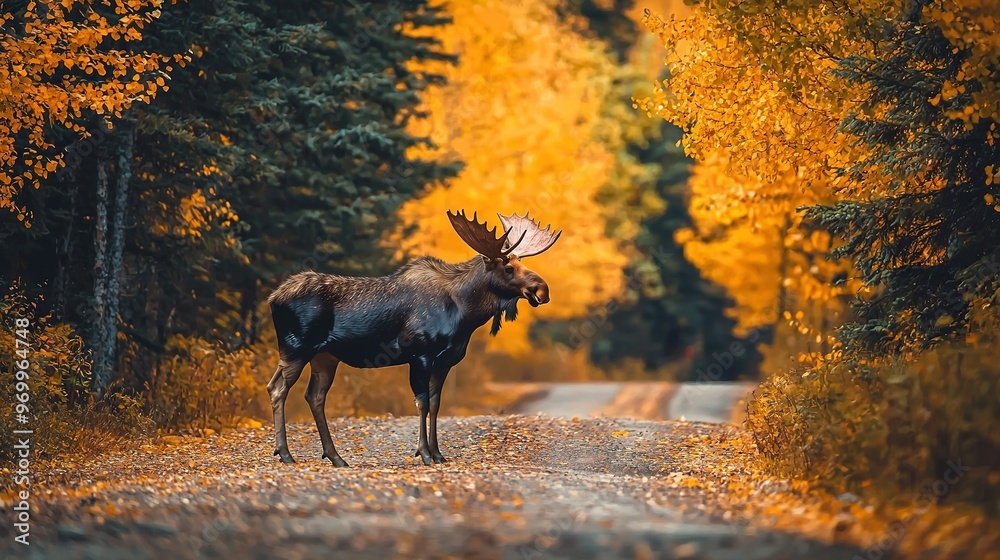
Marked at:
<point>653,400</point>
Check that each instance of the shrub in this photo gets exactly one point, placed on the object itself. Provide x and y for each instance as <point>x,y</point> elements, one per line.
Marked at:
<point>199,384</point>
<point>890,429</point>
<point>61,413</point>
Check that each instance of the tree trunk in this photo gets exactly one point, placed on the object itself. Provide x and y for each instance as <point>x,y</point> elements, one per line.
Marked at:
<point>110,250</point>
<point>248,311</point>
<point>783,297</point>
<point>102,374</point>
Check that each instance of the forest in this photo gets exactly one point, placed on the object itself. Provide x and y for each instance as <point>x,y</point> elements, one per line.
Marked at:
<point>810,183</point>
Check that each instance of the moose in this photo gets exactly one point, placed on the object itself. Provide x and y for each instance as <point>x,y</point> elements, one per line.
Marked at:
<point>423,315</point>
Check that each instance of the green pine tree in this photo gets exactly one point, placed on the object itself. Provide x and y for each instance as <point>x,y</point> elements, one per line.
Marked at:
<point>929,244</point>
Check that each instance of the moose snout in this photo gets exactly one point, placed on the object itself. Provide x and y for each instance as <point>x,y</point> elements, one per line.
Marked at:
<point>536,294</point>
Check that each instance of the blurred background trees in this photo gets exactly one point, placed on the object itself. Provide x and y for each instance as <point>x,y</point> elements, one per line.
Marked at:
<point>538,109</point>
<point>169,163</point>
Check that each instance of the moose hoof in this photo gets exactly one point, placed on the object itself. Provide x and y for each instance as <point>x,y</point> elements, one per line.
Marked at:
<point>425,456</point>
<point>438,459</point>
<point>337,460</point>
<point>285,456</point>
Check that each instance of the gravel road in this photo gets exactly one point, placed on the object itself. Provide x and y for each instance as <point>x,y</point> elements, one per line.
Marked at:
<point>515,487</point>
<point>645,400</point>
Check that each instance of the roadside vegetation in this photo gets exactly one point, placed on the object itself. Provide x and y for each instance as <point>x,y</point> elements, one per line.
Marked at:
<point>845,195</point>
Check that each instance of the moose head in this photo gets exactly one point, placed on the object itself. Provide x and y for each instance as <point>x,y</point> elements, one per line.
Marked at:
<point>522,237</point>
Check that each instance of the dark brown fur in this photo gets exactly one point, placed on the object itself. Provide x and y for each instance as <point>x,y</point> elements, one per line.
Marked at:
<point>422,315</point>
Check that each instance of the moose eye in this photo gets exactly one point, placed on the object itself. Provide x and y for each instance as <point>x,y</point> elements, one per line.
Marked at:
<point>509,269</point>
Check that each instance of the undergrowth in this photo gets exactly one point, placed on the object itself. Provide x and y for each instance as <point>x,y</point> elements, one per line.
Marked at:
<point>893,429</point>
<point>60,413</point>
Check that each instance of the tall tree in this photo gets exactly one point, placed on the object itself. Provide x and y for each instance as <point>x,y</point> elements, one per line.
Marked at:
<point>926,237</point>
<point>879,118</point>
<point>71,71</point>
<point>670,314</point>
<point>760,117</point>
<point>289,130</point>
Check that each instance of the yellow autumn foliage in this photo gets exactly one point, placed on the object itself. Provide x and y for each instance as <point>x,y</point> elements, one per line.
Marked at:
<point>60,412</point>
<point>972,26</point>
<point>761,112</point>
<point>899,422</point>
<point>528,110</point>
<point>57,66</point>
<point>761,121</point>
<point>752,87</point>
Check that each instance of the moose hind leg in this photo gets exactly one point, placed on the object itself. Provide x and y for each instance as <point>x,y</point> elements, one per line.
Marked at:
<point>287,374</point>
<point>324,369</point>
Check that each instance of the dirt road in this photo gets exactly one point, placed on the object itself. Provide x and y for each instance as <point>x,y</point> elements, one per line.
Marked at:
<point>646,400</point>
<point>515,487</point>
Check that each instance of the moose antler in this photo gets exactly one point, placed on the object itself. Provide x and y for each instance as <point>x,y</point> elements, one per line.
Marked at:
<point>536,239</point>
<point>484,241</point>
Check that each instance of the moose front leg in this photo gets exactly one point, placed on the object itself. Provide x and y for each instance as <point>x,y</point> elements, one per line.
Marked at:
<point>419,380</point>
<point>435,385</point>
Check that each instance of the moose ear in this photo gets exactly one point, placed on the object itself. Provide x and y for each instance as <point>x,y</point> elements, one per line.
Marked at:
<point>493,263</point>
